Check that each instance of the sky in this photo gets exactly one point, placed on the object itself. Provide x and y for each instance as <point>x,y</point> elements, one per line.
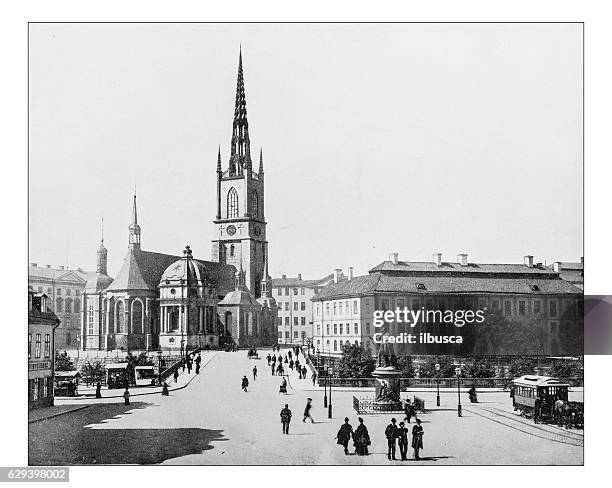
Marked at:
<point>377,138</point>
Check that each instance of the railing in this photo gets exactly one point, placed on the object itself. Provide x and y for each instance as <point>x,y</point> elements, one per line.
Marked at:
<point>166,373</point>
<point>405,383</point>
<point>369,406</point>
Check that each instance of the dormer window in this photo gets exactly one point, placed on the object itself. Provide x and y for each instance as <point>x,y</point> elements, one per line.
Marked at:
<point>421,286</point>
<point>535,288</point>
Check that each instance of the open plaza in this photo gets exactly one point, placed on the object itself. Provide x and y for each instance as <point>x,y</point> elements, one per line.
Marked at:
<point>207,419</point>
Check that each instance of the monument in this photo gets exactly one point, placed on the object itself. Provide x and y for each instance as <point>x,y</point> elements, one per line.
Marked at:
<point>387,384</point>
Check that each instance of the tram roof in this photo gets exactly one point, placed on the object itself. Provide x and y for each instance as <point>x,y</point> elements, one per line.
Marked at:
<point>535,380</point>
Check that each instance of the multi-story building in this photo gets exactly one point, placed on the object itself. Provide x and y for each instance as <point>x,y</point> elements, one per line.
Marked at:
<point>178,302</point>
<point>571,272</point>
<point>42,323</point>
<point>64,289</point>
<point>343,311</point>
<point>294,300</point>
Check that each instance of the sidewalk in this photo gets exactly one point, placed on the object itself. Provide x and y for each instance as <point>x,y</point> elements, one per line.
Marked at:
<point>87,395</point>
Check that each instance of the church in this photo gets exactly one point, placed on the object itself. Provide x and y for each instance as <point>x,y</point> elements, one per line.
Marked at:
<point>177,302</point>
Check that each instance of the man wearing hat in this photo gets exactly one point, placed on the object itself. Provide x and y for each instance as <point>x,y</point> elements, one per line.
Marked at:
<point>307,411</point>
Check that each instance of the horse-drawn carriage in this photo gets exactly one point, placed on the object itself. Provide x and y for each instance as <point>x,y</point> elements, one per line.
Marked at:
<point>252,353</point>
<point>545,399</point>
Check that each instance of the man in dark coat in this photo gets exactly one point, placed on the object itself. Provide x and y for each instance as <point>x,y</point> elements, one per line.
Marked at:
<point>98,390</point>
<point>285,416</point>
<point>402,441</point>
<point>269,358</point>
<point>304,371</point>
<point>254,372</point>
<point>344,435</point>
<point>409,410</point>
<point>273,369</point>
<point>245,383</point>
<point>417,438</point>
<point>307,411</point>
<point>391,435</point>
<point>176,375</point>
<point>361,439</point>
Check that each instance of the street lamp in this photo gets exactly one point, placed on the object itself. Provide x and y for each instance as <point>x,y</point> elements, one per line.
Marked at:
<point>159,372</point>
<point>330,372</point>
<point>437,366</point>
<point>458,373</point>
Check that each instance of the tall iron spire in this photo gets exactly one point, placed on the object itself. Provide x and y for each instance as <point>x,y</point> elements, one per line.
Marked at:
<point>102,253</point>
<point>261,160</point>
<point>240,157</point>
<point>219,170</point>
<point>134,227</point>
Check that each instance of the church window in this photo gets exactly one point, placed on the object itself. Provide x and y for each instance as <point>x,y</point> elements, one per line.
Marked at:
<point>90,320</point>
<point>59,305</point>
<point>59,291</point>
<point>232,204</point>
<point>255,204</point>
<point>68,305</point>
<point>120,317</point>
<point>77,305</point>
<point>68,292</point>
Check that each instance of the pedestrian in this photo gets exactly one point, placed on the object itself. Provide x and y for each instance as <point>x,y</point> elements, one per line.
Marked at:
<point>245,383</point>
<point>197,371</point>
<point>254,372</point>
<point>188,367</point>
<point>280,370</point>
<point>291,365</point>
<point>304,371</point>
<point>361,439</point>
<point>269,358</point>
<point>537,410</point>
<point>289,354</point>
<point>126,396</point>
<point>183,362</point>
<point>165,389</point>
<point>285,416</point>
<point>176,375</point>
<point>402,441</point>
<point>286,360</point>
<point>307,411</point>
<point>409,410</point>
<point>472,394</point>
<point>198,359</point>
<point>391,435</point>
<point>417,438</point>
<point>314,377</point>
<point>344,434</point>
<point>98,390</point>
<point>273,369</point>
<point>283,387</point>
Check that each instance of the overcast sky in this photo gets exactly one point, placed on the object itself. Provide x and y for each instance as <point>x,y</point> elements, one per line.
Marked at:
<point>412,138</point>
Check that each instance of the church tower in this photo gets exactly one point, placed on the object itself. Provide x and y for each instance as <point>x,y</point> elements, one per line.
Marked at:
<point>240,225</point>
<point>102,254</point>
<point>134,228</point>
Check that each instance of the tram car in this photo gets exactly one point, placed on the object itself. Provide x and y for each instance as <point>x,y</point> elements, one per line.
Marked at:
<point>530,390</point>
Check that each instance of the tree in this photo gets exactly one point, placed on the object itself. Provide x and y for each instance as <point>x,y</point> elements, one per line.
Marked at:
<point>480,368</point>
<point>521,366</point>
<point>356,362</point>
<point>428,370</point>
<point>132,361</point>
<point>63,362</point>
<point>564,370</point>
<point>93,372</point>
<point>405,365</point>
<point>499,335</point>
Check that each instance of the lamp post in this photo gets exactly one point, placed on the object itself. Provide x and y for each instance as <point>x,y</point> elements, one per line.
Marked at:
<point>437,366</point>
<point>458,373</point>
<point>330,372</point>
<point>159,372</point>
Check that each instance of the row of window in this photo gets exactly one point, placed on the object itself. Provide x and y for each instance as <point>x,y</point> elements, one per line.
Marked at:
<point>296,321</point>
<point>340,329</point>
<point>68,305</point>
<point>37,346</point>
<point>288,291</point>
<point>297,306</point>
<point>337,345</point>
<point>340,307</point>
<point>287,335</point>
<point>59,291</point>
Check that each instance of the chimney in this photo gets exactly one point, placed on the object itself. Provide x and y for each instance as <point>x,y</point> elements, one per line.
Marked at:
<point>284,277</point>
<point>33,265</point>
<point>581,259</point>
<point>61,268</point>
<point>557,266</point>
<point>300,276</point>
<point>48,265</point>
<point>337,272</point>
<point>395,256</point>
<point>462,259</point>
<point>437,258</point>
<point>350,273</point>
<point>528,261</point>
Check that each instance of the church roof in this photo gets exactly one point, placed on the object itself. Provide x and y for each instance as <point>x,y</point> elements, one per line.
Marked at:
<point>97,282</point>
<point>239,297</point>
<point>141,270</point>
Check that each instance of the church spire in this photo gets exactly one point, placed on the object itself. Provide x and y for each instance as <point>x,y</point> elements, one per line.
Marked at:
<point>219,170</point>
<point>101,266</point>
<point>260,160</point>
<point>240,157</point>
<point>266,282</point>
<point>134,227</point>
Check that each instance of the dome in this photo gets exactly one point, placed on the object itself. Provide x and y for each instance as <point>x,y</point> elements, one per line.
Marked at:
<point>239,297</point>
<point>98,282</point>
<point>186,271</point>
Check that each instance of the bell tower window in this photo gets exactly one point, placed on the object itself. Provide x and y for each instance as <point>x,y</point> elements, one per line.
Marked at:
<point>232,204</point>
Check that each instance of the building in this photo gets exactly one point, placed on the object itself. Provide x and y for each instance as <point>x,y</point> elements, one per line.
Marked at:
<point>294,300</point>
<point>571,272</point>
<point>174,302</point>
<point>528,292</point>
<point>42,323</point>
<point>64,288</point>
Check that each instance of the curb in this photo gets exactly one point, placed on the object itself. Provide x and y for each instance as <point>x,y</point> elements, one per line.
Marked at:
<point>58,414</point>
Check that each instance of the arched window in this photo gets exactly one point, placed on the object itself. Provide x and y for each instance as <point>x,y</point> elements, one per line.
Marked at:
<point>232,203</point>
<point>335,345</point>
<point>137,316</point>
<point>68,305</point>
<point>59,305</point>
<point>255,204</point>
<point>119,317</point>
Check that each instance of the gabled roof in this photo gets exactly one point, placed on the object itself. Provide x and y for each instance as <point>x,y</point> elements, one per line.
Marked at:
<point>42,272</point>
<point>141,270</point>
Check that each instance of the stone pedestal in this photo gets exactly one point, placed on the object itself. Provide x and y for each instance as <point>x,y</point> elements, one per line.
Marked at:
<point>387,387</point>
